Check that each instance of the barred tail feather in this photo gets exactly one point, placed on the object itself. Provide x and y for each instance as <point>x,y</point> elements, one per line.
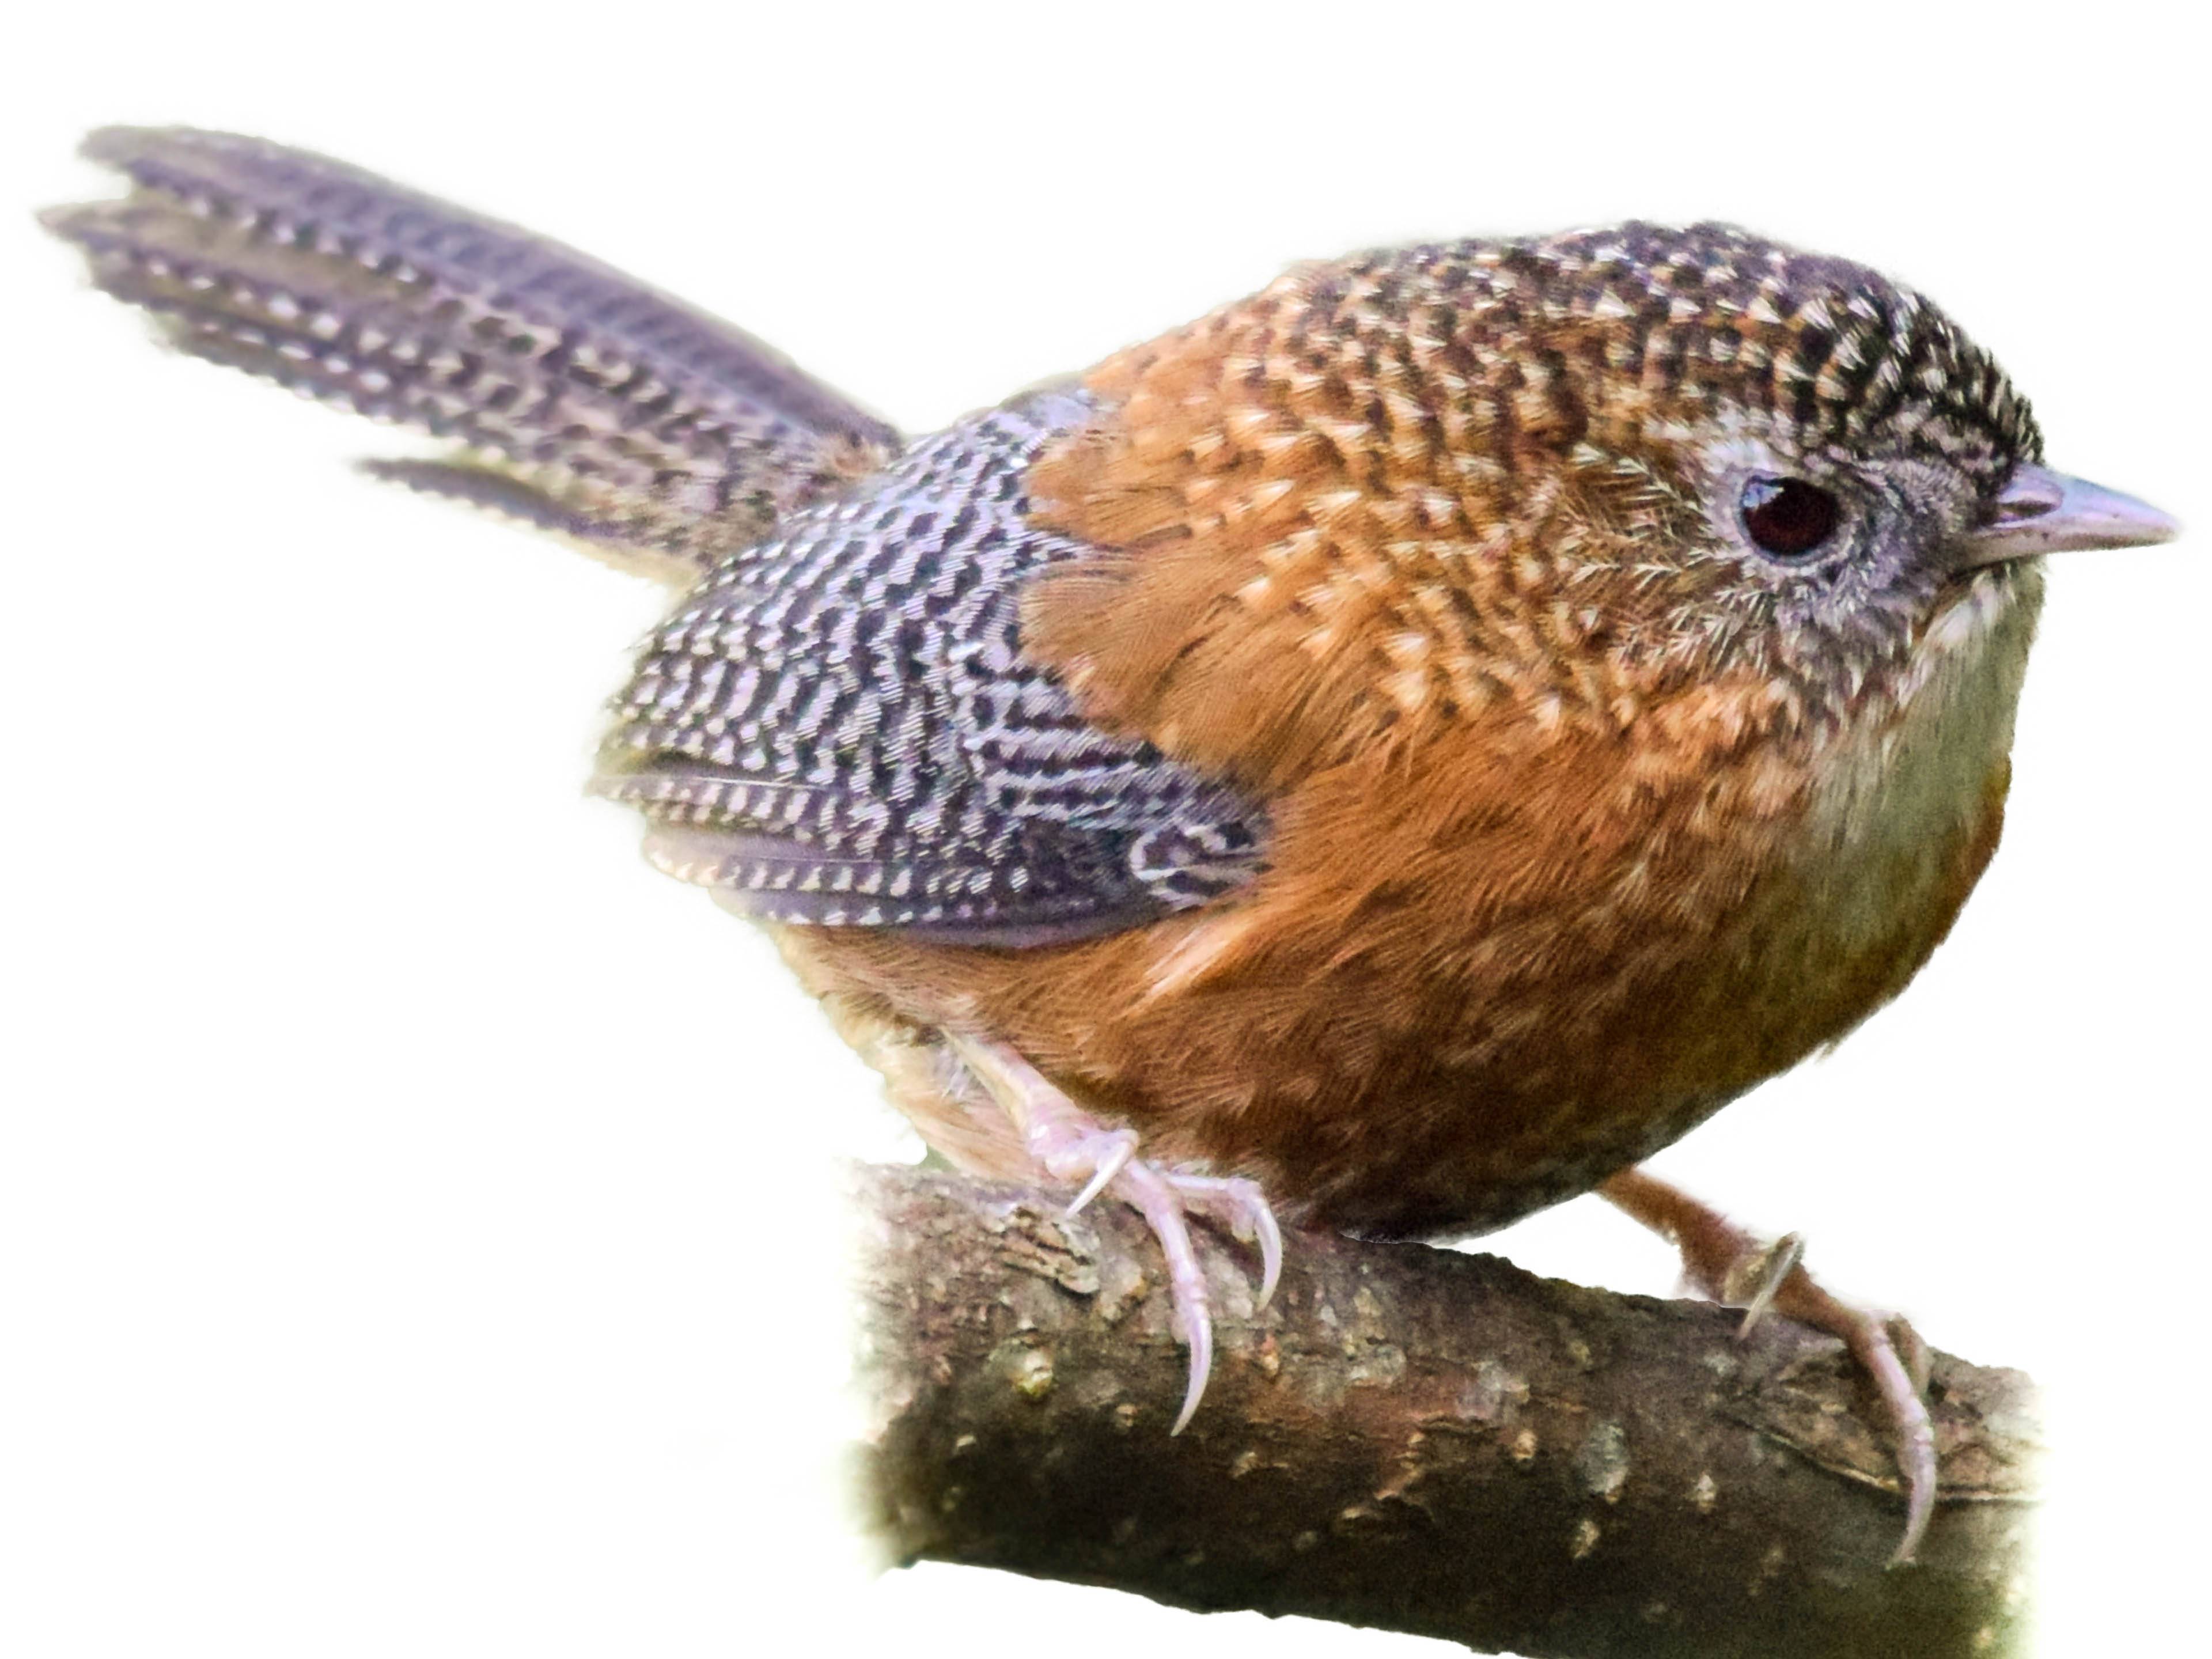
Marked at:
<point>593,404</point>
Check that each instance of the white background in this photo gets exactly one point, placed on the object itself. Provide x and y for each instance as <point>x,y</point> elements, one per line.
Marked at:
<point>417,1230</point>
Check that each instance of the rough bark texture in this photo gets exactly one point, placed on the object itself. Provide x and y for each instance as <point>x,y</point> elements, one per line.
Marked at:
<point>1415,1439</point>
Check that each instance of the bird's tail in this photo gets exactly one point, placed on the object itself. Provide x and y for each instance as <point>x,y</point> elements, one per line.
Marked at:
<point>589,402</point>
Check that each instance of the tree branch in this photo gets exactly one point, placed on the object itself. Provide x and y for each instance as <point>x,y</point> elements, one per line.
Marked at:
<point>1415,1439</point>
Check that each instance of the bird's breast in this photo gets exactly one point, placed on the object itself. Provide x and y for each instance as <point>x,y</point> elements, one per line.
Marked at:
<point>1477,980</point>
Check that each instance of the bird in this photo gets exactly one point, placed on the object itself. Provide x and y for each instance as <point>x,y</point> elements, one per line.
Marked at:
<point>1388,756</point>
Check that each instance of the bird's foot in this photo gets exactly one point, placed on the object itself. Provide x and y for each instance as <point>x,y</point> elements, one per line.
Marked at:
<point>1740,1269</point>
<point>1072,1145</point>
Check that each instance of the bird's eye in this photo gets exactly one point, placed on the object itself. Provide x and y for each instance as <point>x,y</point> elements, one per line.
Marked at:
<point>1788,517</point>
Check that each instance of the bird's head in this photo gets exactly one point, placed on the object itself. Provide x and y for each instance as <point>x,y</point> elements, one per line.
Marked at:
<point>1773,459</point>
<point>1584,473</point>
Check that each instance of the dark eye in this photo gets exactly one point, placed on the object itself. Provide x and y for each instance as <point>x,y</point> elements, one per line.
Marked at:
<point>1788,517</point>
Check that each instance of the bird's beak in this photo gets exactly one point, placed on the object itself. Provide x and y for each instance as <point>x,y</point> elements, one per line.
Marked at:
<point>2040,511</point>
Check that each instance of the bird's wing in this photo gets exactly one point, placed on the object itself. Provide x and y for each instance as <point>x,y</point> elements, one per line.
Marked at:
<point>595,404</point>
<point>840,726</point>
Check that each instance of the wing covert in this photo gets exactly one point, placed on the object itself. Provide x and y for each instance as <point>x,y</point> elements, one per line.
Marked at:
<point>839,726</point>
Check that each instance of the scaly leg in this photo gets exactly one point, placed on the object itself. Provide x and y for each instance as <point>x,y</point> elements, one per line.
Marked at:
<point>1073,1145</point>
<point>1739,1269</point>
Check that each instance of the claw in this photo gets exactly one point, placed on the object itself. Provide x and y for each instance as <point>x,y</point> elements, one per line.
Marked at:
<point>1872,1341</point>
<point>1918,1363</point>
<point>1271,1250</point>
<point>1200,1338</point>
<point>1071,1145</point>
<point>1156,1200</point>
<point>1781,1259</point>
<point>1239,1205</point>
<point>1110,1166</point>
<point>1735,1267</point>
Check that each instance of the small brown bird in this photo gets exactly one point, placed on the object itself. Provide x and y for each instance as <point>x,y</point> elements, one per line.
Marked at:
<point>1395,752</point>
